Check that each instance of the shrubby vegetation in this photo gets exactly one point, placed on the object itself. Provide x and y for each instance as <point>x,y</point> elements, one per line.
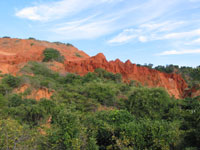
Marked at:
<point>51,54</point>
<point>191,75</point>
<point>94,112</point>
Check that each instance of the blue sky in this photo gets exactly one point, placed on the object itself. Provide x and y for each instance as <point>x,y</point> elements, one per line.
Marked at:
<point>144,31</point>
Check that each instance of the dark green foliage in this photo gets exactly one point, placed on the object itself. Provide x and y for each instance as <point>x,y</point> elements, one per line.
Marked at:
<point>191,122</point>
<point>104,94</point>
<point>90,77</point>
<point>151,135</point>
<point>72,79</point>
<point>47,105</point>
<point>67,133</point>
<point>6,37</point>
<point>33,114</point>
<point>31,38</point>
<point>4,89</point>
<point>94,111</point>
<point>51,54</point>
<point>108,75</point>
<point>11,81</point>
<point>3,102</point>
<point>15,100</point>
<point>78,55</point>
<point>148,103</point>
<point>106,126</point>
<point>68,44</point>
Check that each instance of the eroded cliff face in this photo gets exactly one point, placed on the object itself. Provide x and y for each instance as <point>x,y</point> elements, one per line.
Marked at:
<point>173,83</point>
<point>15,53</point>
<point>192,92</point>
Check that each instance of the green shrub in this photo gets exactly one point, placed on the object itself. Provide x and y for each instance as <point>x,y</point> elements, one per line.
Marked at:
<point>4,89</point>
<point>67,133</point>
<point>15,100</point>
<point>78,55</point>
<point>6,37</point>
<point>51,54</point>
<point>149,103</point>
<point>68,44</point>
<point>31,38</point>
<point>150,135</point>
<point>108,75</point>
<point>11,81</point>
<point>103,93</point>
<point>41,69</point>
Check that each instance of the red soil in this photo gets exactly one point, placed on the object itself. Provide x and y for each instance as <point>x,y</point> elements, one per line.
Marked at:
<point>14,53</point>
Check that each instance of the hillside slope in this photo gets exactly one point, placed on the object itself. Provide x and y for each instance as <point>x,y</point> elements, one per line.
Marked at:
<point>14,53</point>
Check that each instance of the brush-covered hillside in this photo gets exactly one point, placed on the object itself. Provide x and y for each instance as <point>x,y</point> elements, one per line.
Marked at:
<point>55,97</point>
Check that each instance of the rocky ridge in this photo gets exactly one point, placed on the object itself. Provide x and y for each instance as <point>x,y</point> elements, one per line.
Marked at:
<point>15,53</point>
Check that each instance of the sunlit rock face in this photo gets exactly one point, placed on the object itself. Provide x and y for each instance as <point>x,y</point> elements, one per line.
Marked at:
<point>15,53</point>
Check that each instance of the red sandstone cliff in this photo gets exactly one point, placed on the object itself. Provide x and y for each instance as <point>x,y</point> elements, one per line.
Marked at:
<point>14,53</point>
<point>173,83</point>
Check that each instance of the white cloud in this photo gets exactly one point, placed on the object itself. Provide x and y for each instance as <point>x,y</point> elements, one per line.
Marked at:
<point>29,13</point>
<point>56,10</point>
<point>180,35</point>
<point>143,38</point>
<point>125,36</point>
<point>108,20</point>
<point>194,42</point>
<point>181,52</point>
<point>84,29</point>
<point>151,31</point>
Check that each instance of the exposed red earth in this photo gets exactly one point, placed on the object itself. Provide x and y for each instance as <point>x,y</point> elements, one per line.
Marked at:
<point>15,53</point>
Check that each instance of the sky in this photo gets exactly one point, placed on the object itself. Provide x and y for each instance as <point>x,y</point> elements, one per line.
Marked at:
<point>143,31</point>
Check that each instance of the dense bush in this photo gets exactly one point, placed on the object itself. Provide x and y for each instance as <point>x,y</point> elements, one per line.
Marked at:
<point>11,81</point>
<point>4,89</point>
<point>104,94</point>
<point>51,54</point>
<point>148,103</point>
<point>151,135</point>
<point>94,111</point>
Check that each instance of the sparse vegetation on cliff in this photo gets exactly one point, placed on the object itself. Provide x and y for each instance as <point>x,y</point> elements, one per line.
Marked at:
<point>51,54</point>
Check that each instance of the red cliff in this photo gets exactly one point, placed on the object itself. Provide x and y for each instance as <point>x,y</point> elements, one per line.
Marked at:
<point>173,83</point>
<point>14,53</point>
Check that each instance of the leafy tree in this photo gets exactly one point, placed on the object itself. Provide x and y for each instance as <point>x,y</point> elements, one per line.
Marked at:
<point>15,136</point>
<point>11,81</point>
<point>151,135</point>
<point>4,89</point>
<point>15,100</point>
<point>103,93</point>
<point>67,132</point>
<point>191,123</point>
<point>148,103</point>
<point>108,75</point>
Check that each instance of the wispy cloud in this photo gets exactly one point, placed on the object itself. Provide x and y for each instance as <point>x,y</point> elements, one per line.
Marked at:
<point>56,10</point>
<point>84,29</point>
<point>194,42</point>
<point>125,36</point>
<point>180,52</point>
<point>151,31</point>
<point>108,20</point>
<point>179,35</point>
